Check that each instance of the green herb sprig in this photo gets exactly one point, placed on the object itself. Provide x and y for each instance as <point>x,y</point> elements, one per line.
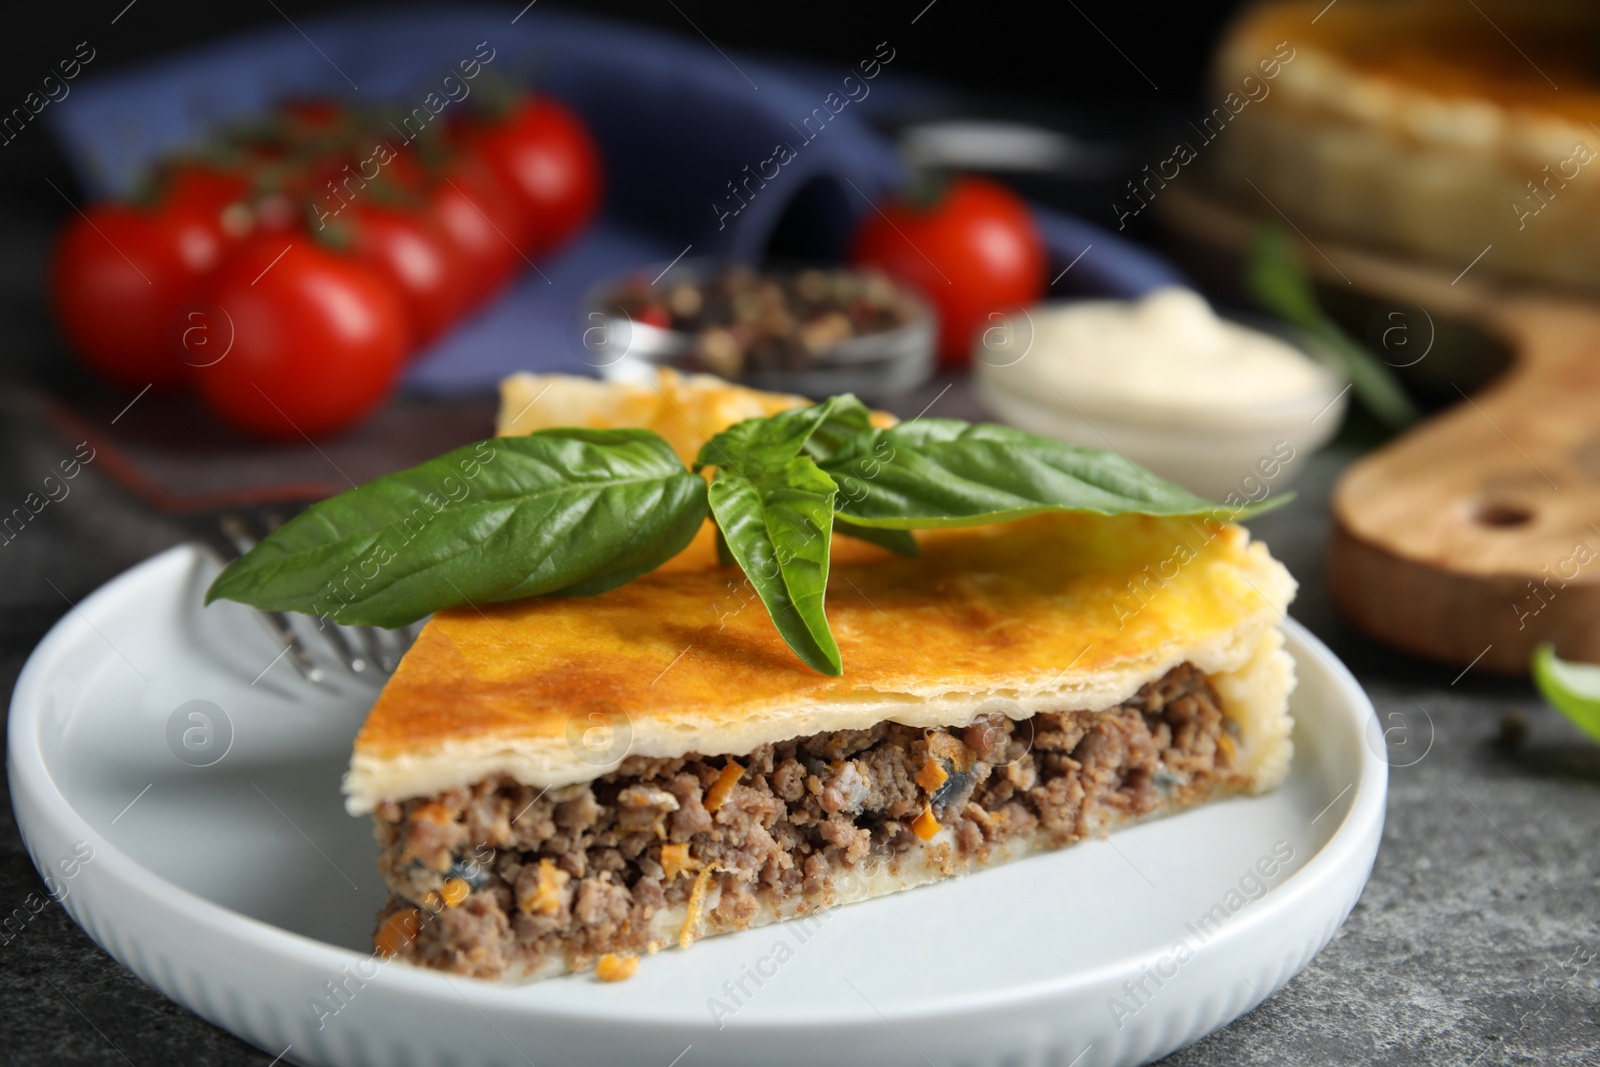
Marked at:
<point>1278,281</point>
<point>577,512</point>
<point>1572,687</point>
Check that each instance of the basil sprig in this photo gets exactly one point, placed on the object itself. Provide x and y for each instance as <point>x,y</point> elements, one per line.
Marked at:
<point>576,512</point>
<point>1277,279</point>
<point>774,507</point>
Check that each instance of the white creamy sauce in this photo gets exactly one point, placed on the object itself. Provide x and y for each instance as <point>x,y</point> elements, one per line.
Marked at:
<point>1167,354</point>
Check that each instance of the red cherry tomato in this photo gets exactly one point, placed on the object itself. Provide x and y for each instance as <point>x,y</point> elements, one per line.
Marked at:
<point>975,252</point>
<point>317,339</point>
<point>543,153</point>
<point>414,254</point>
<point>483,221</point>
<point>118,279</point>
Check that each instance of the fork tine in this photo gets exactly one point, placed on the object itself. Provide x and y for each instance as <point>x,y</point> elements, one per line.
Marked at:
<point>394,644</point>
<point>372,639</point>
<point>332,632</point>
<point>335,636</point>
<point>358,648</point>
<point>281,628</point>
<point>240,538</point>
<point>351,644</point>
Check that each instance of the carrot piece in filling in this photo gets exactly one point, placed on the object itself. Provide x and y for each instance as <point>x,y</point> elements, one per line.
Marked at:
<point>723,786</point>
<point>932,775</point>
<point>397,931</point>
<point>925,825</point>
<point>615,968</point>
<point>675,860</point>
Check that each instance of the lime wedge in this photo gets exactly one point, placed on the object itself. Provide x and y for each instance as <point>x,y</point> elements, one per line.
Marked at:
<point>1574,688</point>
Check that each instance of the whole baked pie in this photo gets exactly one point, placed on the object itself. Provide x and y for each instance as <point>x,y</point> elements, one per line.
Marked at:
<point>1443,129</point>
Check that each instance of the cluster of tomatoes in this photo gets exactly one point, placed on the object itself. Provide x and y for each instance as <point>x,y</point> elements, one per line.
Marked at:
<point>289,271</point>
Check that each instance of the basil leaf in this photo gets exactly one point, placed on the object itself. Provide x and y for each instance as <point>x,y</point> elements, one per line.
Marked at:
<point>569,511</point>
<point>778,523</point>
<point>774,440</point>
<point>774,507</point>
<point>1278,281</point>
<point>820,432</point>
<point>1574,688</point>
<point>844,418</point>
<point>945,473</point>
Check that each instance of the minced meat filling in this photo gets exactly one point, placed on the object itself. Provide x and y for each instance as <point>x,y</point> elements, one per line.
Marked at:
<point>502,877</point>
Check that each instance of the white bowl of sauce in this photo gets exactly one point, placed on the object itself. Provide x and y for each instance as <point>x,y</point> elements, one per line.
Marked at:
<point>1228,411</point>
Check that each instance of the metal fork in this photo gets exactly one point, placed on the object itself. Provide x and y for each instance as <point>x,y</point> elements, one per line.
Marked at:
<point>362,650</point>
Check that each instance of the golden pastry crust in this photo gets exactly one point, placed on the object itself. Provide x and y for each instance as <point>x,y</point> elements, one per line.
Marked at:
<point>685,409</point>
<point>1051,613</point>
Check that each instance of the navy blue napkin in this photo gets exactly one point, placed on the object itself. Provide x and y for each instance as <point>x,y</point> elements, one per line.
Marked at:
<point>691,139</point>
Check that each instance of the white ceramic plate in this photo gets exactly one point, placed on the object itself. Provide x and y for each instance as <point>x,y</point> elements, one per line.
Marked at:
<point>242,890</point>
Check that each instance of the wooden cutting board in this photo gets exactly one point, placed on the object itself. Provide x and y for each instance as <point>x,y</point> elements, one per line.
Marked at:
<point>1475,535</point>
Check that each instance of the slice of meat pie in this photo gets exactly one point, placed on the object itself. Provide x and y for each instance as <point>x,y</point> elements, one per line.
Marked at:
<point>559,779</point>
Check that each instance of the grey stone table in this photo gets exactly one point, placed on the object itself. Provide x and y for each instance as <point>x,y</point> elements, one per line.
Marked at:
<point>1474,943</point>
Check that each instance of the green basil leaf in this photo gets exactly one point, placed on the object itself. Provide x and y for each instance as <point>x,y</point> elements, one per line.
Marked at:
<point>1276,278</point>
<point>774,508</point>
<point>774,440</point>
<point>568,511</point>
<point>844,418</point>
<point>778,524</point>
<point>1574,688</point>
<point>944,473</point>
<point>818,432</point>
